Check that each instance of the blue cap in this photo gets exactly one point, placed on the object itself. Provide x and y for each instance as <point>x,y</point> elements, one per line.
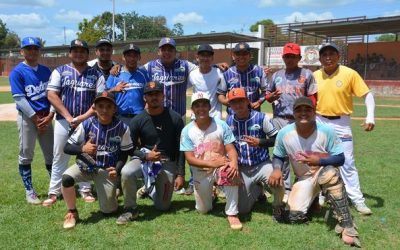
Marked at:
<point>30,41</point>
<point>166,41</point>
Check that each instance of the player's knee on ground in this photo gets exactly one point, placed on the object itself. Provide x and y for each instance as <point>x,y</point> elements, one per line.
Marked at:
<point>297,217</point>
<point>330,181</point>
<point>67,181</point>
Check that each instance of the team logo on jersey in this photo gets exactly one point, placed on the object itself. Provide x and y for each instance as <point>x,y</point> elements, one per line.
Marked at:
<point>339,83</point>
<point>278,80</point>
<point>115,139</point>
<point>255,127</point>
<point>94,78</point>
<point>232,127</point>
<point>180,69</point>
<point>156,68</point>
<point>233,80</point>
<point>302,79</point>
<point>255,80</point>
<point>66,73</point>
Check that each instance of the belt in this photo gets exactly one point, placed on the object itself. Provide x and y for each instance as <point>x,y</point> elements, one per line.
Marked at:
<point>287,117</point>
<point>331,117</point>
<point>127,115</point>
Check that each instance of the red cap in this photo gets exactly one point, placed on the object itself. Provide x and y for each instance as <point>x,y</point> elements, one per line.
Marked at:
<point>291,48</point>
<point>236,93</point>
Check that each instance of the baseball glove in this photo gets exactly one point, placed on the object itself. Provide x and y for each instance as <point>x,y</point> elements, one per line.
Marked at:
<point>86,163</point>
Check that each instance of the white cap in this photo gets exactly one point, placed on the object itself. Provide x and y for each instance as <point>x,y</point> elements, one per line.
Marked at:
<point>200,96</point>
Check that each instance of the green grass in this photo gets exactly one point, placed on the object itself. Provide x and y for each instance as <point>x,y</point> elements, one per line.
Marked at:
<point>32,227</point>
<point>4,81</point>
<point>6,97</point>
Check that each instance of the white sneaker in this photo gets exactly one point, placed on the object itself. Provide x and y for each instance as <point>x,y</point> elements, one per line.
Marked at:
<point>32,198</point>
<point>363,209</point>
<point>181,191</point>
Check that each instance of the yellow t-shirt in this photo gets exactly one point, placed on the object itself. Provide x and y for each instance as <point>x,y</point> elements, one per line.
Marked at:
<point>335,92</point>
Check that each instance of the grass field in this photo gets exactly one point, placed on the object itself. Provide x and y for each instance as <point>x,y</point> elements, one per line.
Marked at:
<point>32,227</point>
<point>6,97</point>
<point>4,81</point>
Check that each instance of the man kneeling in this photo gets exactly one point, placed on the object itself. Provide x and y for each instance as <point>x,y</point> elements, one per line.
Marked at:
<point>102,144</point>
<point>315,153</point>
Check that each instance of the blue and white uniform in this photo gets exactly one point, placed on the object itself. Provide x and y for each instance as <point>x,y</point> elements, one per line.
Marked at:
<point>130,102</point>
<point>77,92</point>
<point>255,166</point>
<point>28,88</point>
<point>175,80</point>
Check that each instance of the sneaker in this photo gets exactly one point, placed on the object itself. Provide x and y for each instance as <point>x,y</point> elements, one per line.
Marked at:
<point>181,191</point>
<point>142,193</point>
<point>234,222</point>
<point>278,214</point>
<point>189,190</point>
<point>50,201</point>
<point>126,217</point>
<point>32,198</point>
<point>88,197</point>
<point>70,219</point>
<point>363,209</point>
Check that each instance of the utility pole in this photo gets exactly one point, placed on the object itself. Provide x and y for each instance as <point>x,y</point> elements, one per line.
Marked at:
<point>113,21</point>
<point>124,30</point>
<point>65,37</point>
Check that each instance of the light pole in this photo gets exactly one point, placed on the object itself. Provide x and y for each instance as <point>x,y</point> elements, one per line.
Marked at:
<point>113,21</point>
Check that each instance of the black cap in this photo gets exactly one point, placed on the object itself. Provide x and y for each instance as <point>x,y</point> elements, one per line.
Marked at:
<point>131,47</point>
<point>153,86</point>
<point>328,45</point>
<point>105,95</point>
<point>103,41</point>
<point>205,48</point>
<point>303,101</point>
<point>78,44</point>
<point>241,47</point>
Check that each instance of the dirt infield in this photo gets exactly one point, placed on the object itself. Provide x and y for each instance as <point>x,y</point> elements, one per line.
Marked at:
<point>5,89</point>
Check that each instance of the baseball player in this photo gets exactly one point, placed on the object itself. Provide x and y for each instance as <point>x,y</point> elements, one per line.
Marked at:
<point>155,133</point>
<point>337,84</point>
<point>208,146</point>
<point>71,91</point>
<point>244,75</point>
<point>254,133</point>
<point>129,84</point>
<point>103,62</point>
<point>285,87</point>
<point>28,81</point>
<point>107,141</point>
<point>316,154</point>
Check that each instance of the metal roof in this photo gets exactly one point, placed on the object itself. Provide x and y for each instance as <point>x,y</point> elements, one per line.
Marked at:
<point>350,26</point>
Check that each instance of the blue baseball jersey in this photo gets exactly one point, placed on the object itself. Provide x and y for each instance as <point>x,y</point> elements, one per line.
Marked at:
<point>292,86</point>
<point>77,90</point>
<point>323,142</point>
<point>131,100</point>
<point>175,80</point>
<point>31,83</point>
<point>110,139</point>
<point>257,125</point>
<point>253,80</point>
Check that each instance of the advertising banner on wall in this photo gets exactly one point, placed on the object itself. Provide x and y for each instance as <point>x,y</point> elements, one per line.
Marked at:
<point>309,53</point>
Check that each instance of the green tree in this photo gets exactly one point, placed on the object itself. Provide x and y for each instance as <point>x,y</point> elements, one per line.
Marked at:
<point>265,22</point>
<point>390,37</point>
<point>177,30</point>
<point>11,40</point>
<point>3,33</point>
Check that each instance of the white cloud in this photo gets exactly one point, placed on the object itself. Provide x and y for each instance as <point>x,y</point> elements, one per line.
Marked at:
<point>392,13</point>
<point>188,18</point>
<point>27,3</point>
<point>69,36</point>
<point>302,3</point>
<point>31,20</point>
<point>71,16</point>
<point>310,16</point>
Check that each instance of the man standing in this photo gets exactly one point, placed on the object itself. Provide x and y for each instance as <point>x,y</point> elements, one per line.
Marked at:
<point>155,134</point>
<point>337,84</point>
<point>208,146</point>
<point>285,87</point>
<point>71,91</point>
<point>244,75</point>
<point>103,62</point>
<point>254,133</point>
<point>316,154</point>
<point>129,84</point>
<point>28,81</point>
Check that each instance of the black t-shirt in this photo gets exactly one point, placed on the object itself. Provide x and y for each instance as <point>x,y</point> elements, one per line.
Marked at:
<point>106,72</point>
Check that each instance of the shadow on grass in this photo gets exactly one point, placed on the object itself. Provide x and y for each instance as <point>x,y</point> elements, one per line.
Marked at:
<point>379,202</point>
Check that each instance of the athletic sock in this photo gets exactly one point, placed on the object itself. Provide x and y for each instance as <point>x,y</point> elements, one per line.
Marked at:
<point>26,174</point>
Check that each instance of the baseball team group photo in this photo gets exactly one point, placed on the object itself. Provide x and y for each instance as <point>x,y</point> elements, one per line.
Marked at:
<point>160,140</point>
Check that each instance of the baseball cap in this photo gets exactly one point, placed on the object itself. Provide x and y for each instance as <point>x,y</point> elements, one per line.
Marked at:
<point>291,48</point>
<point>78,44</point>
<point>200,96</point>
<point>167,41</point>
<point>131,47</point>
<point>303,101</point>
<point>236,93</point>
<point>105,95</point>
<point>328,45</point>
<point>103,41</point>
<point>30,41</point>
<point>153,86</point>
<point>205,48</point>
<point>242,46</point>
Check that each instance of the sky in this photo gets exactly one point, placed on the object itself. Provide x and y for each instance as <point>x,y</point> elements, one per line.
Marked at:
<point>49,18</point>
